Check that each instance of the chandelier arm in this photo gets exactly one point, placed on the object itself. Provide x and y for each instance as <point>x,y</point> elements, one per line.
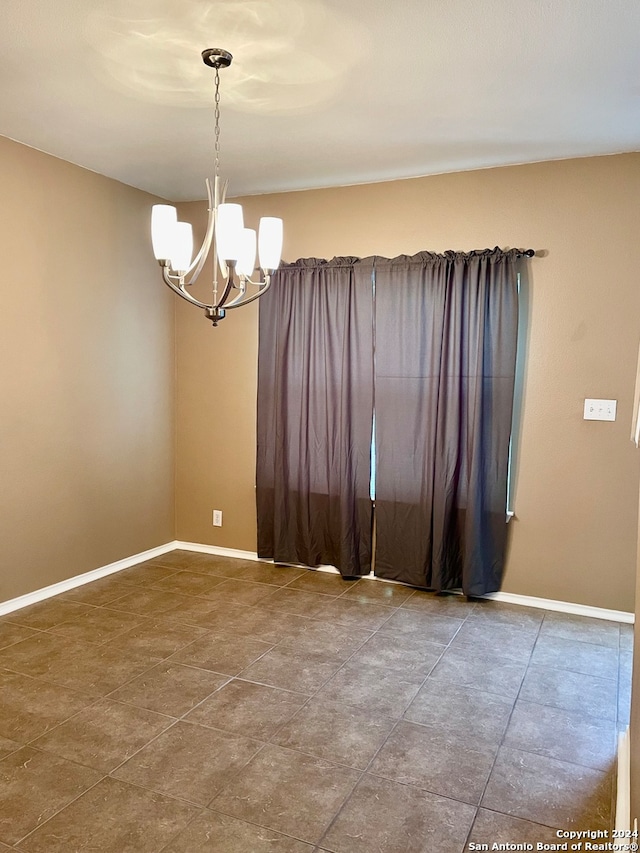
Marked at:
<point>265,286</point>
<point>191,299</point>
<point>180,291</point>
<point>219,196</point>
<point>242,287</point>
<point>199,260</point>
<point>227,290</point>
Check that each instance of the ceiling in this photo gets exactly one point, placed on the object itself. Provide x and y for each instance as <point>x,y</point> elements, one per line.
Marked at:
<point>320,92</point>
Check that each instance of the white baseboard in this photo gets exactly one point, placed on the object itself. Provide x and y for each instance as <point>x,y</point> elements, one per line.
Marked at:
<point>563,606</point>
<point>103,571</point>
<point>507,597</point>
<point>218,551</point>
<point>623,790</point>
<point>79,580</point>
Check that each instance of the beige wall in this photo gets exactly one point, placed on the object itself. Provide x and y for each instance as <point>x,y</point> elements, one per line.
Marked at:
<point>86,374</point>
<point>576,494</point>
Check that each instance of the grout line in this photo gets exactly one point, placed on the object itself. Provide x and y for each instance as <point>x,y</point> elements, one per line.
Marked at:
<point>182,829</point>
<point>504,734</point>
<point>501,744</point>
<point>66,805</point>
<point>31,743</point>
<point>398,720</point>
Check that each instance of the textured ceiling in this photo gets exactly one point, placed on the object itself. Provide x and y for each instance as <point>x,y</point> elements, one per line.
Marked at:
<point>321,92</point>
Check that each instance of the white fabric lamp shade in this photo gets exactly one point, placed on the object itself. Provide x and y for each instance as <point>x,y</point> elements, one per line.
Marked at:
<point>230,226</point>
<point>163,221</point>
<point>247,260</point>
<point>270,242</point>
<point>182,248</point>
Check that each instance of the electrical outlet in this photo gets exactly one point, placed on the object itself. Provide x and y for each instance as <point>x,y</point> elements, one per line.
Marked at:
<point>217,518</point>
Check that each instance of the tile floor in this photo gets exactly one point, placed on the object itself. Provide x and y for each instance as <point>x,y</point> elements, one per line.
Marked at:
<point>198,703</point>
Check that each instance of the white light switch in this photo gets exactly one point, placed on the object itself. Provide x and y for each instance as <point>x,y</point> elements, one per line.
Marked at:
<point>600,410</point>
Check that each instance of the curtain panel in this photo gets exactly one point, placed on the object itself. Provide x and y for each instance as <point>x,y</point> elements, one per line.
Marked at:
<point>315,403</point>
<point>428,342</point>
<point>446,333</point>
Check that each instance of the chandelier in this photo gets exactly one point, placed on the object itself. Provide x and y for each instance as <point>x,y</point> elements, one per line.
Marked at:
<point>234,246</point>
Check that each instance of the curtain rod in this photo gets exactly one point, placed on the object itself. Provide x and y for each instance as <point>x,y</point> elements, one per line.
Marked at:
<point>529,253</point>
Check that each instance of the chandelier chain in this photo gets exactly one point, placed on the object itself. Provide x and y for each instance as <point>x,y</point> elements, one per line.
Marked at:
<point>217,118</point>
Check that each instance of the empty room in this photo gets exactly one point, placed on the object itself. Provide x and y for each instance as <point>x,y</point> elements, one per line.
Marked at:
<point>319,534</point>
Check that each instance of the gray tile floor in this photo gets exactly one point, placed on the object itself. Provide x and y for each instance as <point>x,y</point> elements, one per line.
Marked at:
<point>197,703</point>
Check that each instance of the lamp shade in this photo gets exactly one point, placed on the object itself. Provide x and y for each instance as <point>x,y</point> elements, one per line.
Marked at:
<point>182,248</point>
<point>229,227</point>
<point>247,260</point>
<point>270,242</point>
<point>163,222</point>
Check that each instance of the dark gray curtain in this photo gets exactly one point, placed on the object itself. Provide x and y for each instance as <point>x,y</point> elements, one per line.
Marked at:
<point>446,328</point>
<point>315,403</point>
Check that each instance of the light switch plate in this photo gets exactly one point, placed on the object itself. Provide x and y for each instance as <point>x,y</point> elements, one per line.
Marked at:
<point>600,410</point>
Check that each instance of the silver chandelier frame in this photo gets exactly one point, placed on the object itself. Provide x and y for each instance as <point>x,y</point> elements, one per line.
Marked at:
<point>233,291</point>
